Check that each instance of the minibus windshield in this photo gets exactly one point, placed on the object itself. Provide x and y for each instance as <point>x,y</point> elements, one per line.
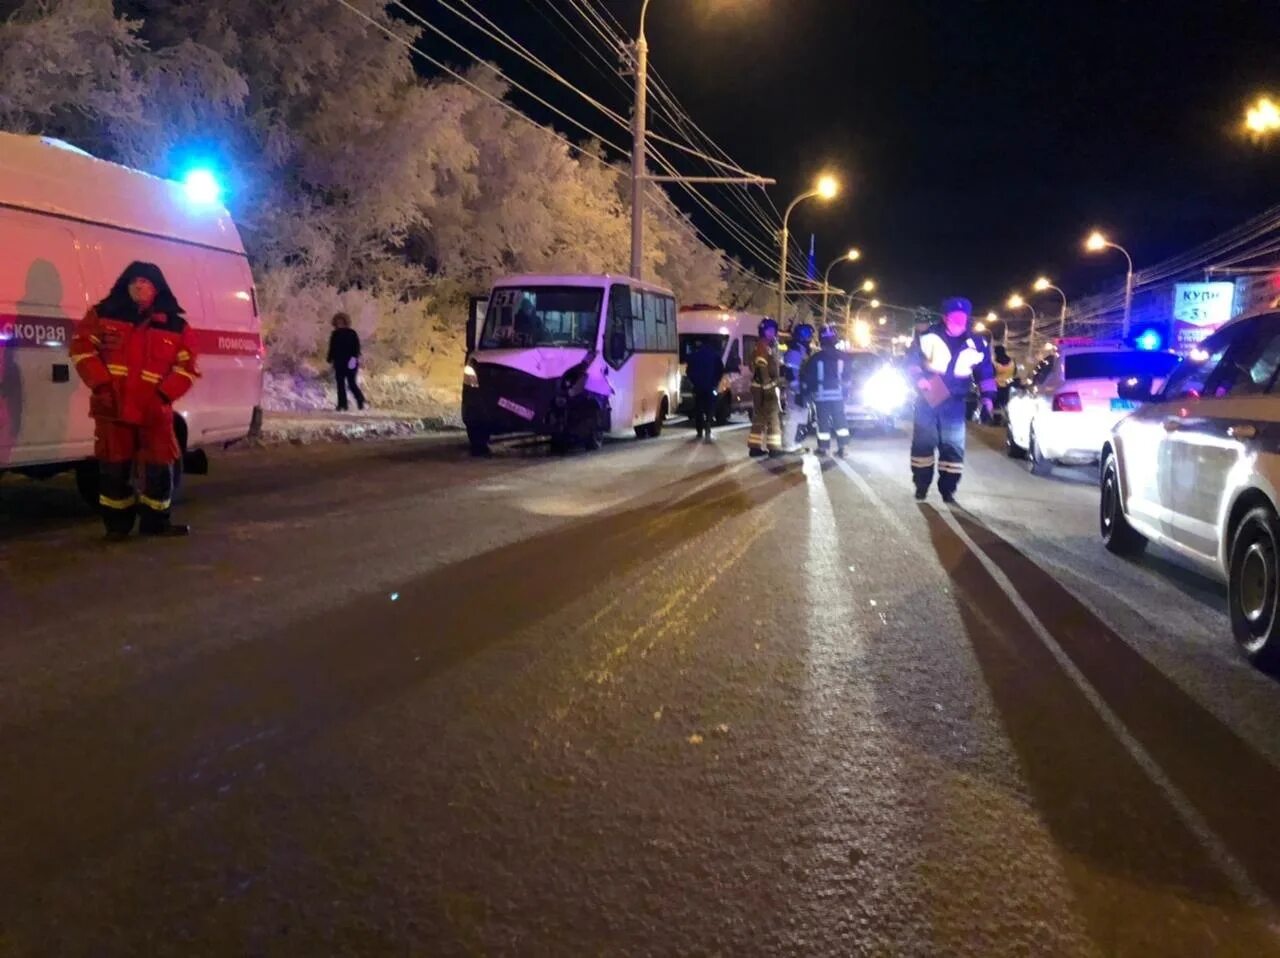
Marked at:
<point>523,317</point>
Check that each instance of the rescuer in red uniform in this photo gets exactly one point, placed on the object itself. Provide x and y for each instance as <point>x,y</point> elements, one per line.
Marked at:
<point>134,351</point>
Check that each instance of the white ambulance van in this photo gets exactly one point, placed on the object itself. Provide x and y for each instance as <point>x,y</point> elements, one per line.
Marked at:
<point>69,225</point>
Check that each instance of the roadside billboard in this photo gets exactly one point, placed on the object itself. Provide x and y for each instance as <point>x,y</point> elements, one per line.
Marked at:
<point>1198,310</point>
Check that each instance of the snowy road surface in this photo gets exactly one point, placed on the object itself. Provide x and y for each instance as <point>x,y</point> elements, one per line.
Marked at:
<point>660,700</point>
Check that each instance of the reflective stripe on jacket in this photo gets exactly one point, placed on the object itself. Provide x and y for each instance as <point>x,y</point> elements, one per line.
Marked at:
<point>146,362</point>
<point>827,374</point>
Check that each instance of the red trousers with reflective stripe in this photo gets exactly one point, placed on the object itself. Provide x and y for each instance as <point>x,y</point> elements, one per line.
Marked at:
<point>153,444</point>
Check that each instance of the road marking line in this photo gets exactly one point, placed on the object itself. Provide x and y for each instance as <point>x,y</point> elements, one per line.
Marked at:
<point>1216,849</point>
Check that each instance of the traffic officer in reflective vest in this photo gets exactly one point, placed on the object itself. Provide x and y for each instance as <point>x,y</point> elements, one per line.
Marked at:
<point>765,437</point>
<point>943,361</point>
<point>825,377</point>
<point>135,352</point>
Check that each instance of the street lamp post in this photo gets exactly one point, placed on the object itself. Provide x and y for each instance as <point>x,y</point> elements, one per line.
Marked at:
<point>1096,243</point>
<point>850,257</point>
<point>639,147</point>
<point>1017,302</point>
<point>1040,286</point>
<point>826,188</point>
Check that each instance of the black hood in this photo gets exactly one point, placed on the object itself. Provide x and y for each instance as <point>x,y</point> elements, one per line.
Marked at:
<point>119,304</point>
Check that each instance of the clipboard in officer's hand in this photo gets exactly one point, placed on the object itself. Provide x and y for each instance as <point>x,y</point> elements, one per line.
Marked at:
<point>936,392</point>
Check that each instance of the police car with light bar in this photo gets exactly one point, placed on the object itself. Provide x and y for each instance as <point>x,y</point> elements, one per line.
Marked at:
<point>1065,412</point>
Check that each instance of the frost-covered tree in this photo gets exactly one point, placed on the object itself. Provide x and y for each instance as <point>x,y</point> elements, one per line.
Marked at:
<point>357,184</point>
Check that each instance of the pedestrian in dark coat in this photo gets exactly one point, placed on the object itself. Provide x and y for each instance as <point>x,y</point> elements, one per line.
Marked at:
<point>344,357</point>
<point>705,370</point>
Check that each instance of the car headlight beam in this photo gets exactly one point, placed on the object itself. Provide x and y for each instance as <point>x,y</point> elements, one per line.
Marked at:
<point>886,391</point>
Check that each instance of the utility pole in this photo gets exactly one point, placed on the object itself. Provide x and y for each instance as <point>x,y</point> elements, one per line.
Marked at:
<point>639,150</point>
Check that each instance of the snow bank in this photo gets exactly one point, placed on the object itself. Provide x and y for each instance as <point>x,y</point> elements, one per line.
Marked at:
<point>300,408</point>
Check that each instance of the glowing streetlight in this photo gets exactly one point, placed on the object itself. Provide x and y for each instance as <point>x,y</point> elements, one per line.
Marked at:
<point>1017,302</point>
<point>868,285</point>
<point>1096,243</point>
<point>979,327</point>
<point>1262,118</point>
<point>883,320</point>
<point>825,188</point>
<point>1041,285</point>
<point>852,256</point>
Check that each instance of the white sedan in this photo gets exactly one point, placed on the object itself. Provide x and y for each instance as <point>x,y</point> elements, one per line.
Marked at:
<point>1197,469</point>
<point>1065,413</point>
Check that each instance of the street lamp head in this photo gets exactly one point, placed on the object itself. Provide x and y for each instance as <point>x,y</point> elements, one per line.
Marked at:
<point>875,304</point>
<point>1095,242</point>
<point>992,317</point>
<point>853,255</point>
<point>1016,301</point>
<point>868,285</point>
<point>1042,284</point>
<point>882,320</point>
<point>979,327</point>
<point>827,187</point>
<point>1262,117</point>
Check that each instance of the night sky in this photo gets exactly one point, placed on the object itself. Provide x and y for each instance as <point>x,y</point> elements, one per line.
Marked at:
<point>978,140</point>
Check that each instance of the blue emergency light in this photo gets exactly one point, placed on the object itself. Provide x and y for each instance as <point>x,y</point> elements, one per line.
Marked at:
<point>1149,339</point>
<point>202,187</point>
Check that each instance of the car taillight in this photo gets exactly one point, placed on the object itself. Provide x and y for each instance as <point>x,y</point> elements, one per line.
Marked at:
<point>1067,402</point>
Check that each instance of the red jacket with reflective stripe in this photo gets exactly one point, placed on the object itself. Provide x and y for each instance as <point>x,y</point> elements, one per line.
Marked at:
<point>147,362</point>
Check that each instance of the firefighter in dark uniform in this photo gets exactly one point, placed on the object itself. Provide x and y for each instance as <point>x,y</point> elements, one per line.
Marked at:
<point>136,354</point>
<point>765,438</point>
<point>825,378</point>
<point>943,362</point>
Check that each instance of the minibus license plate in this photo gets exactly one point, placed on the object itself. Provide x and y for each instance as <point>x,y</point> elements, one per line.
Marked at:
<point>524,412</point>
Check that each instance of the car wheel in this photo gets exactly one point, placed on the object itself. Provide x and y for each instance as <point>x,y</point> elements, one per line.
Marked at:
<point>478,440</point>
<point>1011,448</point>
<point>724,409</point>
<point>1036,462</point>
<point>1252,588</point>
<point>594,438</point>
<point>1117,535</point>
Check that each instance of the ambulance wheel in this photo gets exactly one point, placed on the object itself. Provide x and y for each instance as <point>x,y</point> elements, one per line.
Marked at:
<point>87,482</point>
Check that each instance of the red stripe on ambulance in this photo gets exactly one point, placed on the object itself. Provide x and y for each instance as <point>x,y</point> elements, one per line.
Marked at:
<point>30,332</point>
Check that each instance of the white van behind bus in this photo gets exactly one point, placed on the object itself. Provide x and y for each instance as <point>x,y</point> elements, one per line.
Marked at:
<point>574,357</point>
<point>69,224</point>
<point>736,334</point>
